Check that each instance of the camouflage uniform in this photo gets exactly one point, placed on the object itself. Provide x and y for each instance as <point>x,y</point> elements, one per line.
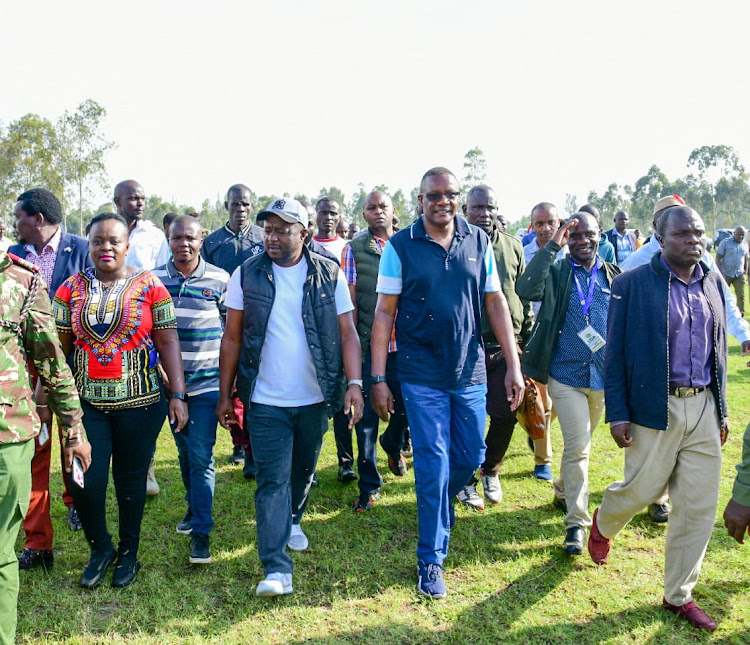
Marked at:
<point>27,335</point>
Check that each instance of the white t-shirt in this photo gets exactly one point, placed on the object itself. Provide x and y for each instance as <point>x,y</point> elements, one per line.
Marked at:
<point>335,246</point>
<point>286,376</point>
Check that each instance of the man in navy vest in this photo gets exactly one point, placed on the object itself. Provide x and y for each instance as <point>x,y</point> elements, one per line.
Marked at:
<point>437,273</point>
<point>290,341</point>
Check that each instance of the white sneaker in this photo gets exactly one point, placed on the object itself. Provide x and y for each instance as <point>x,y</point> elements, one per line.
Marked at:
<point>298,540</point>
<point>493,492</point>
<point>275,584</point>
<point>468,496</point>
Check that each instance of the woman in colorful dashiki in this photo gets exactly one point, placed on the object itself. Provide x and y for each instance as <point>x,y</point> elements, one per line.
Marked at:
<point>115,323</point>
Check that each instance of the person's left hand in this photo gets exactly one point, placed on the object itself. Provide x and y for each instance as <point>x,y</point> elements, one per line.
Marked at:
<point>746,349</point>
<point>724,432</point>
<point>45,415</point>
<point>353,397</point>
<point>178,413</point>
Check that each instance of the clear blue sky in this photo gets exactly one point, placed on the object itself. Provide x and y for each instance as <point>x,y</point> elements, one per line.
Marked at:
<point>291,96</point>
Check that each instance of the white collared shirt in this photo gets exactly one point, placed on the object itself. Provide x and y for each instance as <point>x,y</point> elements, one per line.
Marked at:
<point>148,246</point>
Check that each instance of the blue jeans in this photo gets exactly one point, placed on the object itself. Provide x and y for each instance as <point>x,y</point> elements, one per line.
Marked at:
<point>286,444</point>
<point>195,449</point>
<point>447,432</point>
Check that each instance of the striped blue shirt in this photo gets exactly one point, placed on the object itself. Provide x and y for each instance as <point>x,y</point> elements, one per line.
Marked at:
<point>199,306</point>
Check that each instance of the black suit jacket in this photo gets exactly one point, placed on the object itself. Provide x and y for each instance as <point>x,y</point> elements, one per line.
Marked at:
<point>72,257</point>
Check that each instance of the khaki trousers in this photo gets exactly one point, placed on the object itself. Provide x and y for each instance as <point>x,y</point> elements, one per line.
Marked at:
<point>543,446</point>
<point>578,410</point>
<point>687,458</point>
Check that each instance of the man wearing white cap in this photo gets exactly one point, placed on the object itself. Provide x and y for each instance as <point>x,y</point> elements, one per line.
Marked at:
<point>290,340</point>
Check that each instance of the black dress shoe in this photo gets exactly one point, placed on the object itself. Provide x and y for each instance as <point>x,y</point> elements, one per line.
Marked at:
<point>659,513</point>
<point>249,470</point>
<point>346,473</point>
<point>238,455</point>
<point>126,570</point>
<point>74,522</point>
<point>96,569</point>
<point>32,558</point>
<point>574,537</point>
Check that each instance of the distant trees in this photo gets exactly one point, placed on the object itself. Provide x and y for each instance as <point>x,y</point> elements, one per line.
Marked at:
<point>717,188</point>
<point>66,157</point>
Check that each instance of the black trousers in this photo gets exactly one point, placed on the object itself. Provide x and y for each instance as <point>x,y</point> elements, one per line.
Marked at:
<point>128,438</point>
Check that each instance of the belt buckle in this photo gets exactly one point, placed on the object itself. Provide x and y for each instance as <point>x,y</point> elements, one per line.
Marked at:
<point>685,392</point>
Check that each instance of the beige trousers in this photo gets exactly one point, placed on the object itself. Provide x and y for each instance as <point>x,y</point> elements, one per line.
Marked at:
<point>687,458</point>
<point>578,410</point>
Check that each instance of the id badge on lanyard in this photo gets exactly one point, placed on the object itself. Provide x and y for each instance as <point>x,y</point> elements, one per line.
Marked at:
<point>591,338</point>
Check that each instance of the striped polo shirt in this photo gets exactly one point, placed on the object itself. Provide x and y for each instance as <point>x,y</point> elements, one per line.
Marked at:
<point>199,306</point>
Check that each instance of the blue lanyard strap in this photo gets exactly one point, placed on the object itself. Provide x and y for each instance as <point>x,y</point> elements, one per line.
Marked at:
<point>585,301</point>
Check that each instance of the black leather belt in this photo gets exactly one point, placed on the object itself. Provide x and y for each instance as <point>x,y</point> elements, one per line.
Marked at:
<point>685,392</point>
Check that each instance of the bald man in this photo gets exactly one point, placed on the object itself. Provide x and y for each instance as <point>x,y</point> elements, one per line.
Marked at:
<point>148,247</point>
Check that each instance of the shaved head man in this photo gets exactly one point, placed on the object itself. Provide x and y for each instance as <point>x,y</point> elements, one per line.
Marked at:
<point>148,246</point>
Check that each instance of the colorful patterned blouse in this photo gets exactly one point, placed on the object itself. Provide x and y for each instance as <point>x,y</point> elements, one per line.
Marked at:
<point>114,357</point>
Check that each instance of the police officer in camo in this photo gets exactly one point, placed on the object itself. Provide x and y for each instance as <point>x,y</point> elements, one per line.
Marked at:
<point>27,334</point>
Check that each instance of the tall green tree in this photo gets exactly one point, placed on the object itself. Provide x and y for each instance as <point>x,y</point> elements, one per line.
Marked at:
<point>81,151</point>
<point>27,159</point>
<point>475,168</point>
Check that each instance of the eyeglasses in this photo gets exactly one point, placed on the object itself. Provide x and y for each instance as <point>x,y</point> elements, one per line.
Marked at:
<point>434,197</point>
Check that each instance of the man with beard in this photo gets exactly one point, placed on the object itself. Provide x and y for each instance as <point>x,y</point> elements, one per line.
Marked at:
<point>565,351</point>
<point>291,343</point>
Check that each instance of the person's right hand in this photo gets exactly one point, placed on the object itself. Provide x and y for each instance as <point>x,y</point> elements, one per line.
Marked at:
<point>562,234</point>
<point>621,434</point>
<point>225,412</point>
<point>381,400</point>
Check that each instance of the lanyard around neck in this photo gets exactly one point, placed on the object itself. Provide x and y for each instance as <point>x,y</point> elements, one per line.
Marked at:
<point>589,298</point>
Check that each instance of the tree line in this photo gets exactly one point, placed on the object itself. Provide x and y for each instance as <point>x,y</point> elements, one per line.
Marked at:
<point>68,157</point>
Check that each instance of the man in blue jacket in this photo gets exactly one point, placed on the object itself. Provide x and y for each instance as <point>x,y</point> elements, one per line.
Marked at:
<point>58,255</point>
<point>669,410</point>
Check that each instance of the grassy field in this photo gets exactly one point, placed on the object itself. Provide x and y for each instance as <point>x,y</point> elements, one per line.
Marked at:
<point>507,577</point>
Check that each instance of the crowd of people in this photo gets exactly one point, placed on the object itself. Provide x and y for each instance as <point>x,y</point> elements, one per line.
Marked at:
<point>274,327</point>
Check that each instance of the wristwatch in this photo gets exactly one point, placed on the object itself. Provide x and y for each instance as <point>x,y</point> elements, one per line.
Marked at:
<point>377,378</point>
<point>354,381</point>
<point>180,396</point>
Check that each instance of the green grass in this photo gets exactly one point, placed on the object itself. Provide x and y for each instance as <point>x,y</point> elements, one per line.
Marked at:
<point>507,577</point>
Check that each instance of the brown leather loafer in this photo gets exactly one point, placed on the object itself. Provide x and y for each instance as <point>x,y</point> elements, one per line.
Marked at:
<point>598,545</point>
<point>691,613</point>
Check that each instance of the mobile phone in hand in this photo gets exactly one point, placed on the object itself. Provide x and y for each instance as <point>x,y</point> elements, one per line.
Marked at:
<point>77,472</point>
